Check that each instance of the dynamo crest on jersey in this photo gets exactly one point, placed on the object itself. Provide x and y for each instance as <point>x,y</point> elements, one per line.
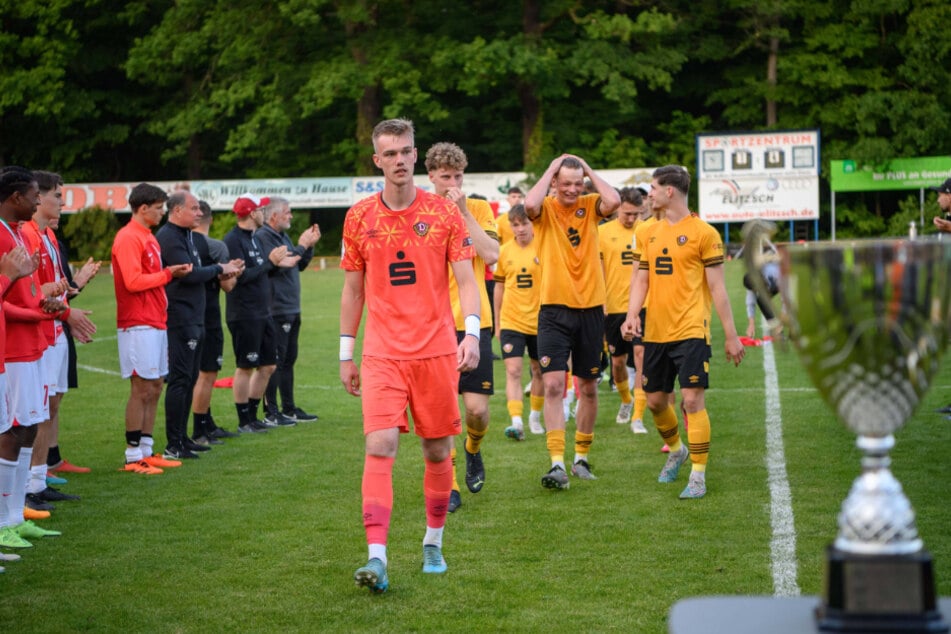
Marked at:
<point>507,347</point>
<point>545,361</point>
<point>421,228</point>
<point>580,212</point>
<point>681,240</point>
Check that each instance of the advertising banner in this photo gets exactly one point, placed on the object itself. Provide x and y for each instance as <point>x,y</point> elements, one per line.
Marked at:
<point>895,174</point>
<point>770,175</point>
<point>316,193</point>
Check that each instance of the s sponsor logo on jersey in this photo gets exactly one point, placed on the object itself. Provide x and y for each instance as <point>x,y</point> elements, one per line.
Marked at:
<point>402,273</point>
<point>545,361</point>
<point>421,228</point>
<point>681,240</point>
<point>372,233</point>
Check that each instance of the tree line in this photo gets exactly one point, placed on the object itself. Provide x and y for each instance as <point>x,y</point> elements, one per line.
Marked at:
<point>105,90</point>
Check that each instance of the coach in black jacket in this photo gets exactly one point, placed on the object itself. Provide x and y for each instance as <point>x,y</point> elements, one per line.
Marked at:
<point>186,316</point>
<point>285,307</point>
<point>247,311</point>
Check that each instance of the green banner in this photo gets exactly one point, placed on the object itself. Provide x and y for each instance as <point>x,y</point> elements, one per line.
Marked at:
<point>907,173</point>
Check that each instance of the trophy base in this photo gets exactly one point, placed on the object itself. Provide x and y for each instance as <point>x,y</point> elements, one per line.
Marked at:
<point>879,593</point>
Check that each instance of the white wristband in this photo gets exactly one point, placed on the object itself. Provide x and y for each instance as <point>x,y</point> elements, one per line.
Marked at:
<point>346,347</point>
<point>473,325</point>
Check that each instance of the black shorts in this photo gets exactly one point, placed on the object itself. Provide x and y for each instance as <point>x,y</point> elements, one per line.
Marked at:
<point>688,360</point>
<point>617,345</point>
<point>480,380</point>
<point>514,344</point>
<point>253,342</point>
<point>212,351</point>
<point>574,332</point>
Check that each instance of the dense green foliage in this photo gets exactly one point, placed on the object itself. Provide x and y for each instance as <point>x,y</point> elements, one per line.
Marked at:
<point>107,90</point>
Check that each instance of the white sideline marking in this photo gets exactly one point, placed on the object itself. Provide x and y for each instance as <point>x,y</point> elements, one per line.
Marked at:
<point>783,543</point>
<point>92,368</point>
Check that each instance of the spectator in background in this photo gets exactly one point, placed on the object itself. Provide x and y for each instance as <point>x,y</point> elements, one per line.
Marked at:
<point>285,307</point>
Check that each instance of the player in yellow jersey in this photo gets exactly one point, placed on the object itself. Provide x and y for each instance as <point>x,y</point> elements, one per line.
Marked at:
<point>571,317</point>
<point>617,245</point>
<point>681,275</point>
<point>517,276</point>
<point>514,197</point>
<point>446,163</point>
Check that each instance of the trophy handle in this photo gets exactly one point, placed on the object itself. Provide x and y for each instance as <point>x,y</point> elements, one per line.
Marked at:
<point>756,235</point>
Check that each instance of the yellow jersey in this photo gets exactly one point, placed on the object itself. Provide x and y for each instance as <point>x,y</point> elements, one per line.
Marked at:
<point>505,228</point>
<point>617,257</point>
<point>519,270</point>
<point>676,257</point>
<point>483,215</point>
<point>641,230</point>
<point>568,250</point>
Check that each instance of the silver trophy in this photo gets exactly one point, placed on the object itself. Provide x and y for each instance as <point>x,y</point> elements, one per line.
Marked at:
<point>870,322</point>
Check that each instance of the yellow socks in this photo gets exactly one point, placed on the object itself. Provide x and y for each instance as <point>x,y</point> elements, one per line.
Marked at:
<point>666,424</point>
<point>515,408</point>
<point>624,391</point>
<point>556,446</point>
<point>640,403</point>
<point>452,456</point>
<point>474,439</point>
<point>582,445</point>
<point>698,439</point>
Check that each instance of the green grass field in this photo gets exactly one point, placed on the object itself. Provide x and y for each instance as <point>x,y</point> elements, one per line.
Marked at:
<point>263,534</point>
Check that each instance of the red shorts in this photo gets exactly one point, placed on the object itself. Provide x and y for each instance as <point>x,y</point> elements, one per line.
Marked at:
<point>426,386</point>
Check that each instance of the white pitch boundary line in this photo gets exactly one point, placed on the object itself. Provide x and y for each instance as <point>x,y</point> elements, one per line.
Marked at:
<point>92,368</point>
<point>783,543</point>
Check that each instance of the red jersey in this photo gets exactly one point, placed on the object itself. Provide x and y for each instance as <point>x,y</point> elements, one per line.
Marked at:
<point>139,278</point>
<point>403,256</point>
<point>24,338</point>
<point>45,243</point>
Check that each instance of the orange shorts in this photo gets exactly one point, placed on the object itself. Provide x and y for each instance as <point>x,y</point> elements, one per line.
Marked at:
<point>426,386</point>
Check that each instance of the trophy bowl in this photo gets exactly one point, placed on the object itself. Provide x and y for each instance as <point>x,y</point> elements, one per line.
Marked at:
<point>869,320</point>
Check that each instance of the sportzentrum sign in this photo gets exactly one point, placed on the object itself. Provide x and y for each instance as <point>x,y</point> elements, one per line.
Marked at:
<point>770,175</point>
